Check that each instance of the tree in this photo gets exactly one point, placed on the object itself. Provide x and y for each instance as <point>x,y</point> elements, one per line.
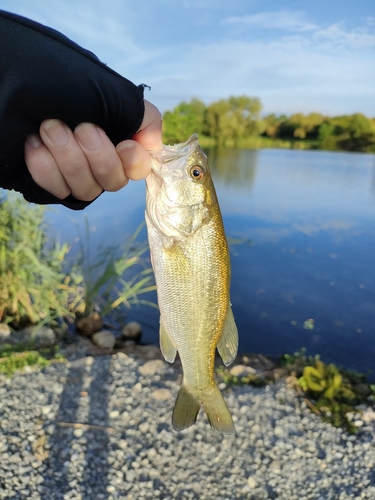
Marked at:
<point>350,133</point>
<point>306,125</point>
<point>271,124</point>
<point>300,126</point>
<point>229,120</point>
<point>360,134</point>
<point>186,119</point>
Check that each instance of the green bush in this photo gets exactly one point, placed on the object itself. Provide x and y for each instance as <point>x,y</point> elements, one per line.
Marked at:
<point>39,285</point>
<point>33,286</point>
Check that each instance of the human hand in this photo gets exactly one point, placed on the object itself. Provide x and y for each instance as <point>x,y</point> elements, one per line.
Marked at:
<point>84,162</point>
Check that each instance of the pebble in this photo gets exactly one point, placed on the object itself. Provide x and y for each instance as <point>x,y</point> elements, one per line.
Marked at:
<point>251,482</point>
<point>42,337</point>
<point>5,331</point>
<point>90,324</point>
<point>77,363</point>
<point>242,371</point>
<point>124,358</point>
<point>104,339</point>
<point>132,331</point>
<point>161,394</point>
<point>281,450</point>
<point>151,367</point>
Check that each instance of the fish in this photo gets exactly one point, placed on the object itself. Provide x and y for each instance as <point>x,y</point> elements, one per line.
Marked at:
<point>190,259</point>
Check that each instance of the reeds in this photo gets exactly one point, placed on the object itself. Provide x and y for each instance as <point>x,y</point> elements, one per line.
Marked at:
<point>41,284</point>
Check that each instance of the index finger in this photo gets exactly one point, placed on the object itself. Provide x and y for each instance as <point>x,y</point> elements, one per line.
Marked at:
<point>150,133</point>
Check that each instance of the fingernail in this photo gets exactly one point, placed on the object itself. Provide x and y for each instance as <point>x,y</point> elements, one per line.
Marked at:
<point>34,141</point>
<point>56,133</point>
<point>88,135</point>
<point>128,153</point>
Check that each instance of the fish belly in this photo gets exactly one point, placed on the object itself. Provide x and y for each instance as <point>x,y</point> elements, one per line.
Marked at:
<point>192,278</point>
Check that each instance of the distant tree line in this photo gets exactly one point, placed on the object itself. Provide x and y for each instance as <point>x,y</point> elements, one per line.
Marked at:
<point>237,122</point>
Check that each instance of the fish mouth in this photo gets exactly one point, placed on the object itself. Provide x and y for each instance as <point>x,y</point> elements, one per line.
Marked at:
<point>176,151</point>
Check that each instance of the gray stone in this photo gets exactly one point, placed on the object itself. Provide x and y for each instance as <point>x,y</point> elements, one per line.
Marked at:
<point>132,331</point>
<point>78,432</point>
<point>104,339</point>
<point>280,450</point>
<point>161,394</point>
<point>242,371</point>
<point>5,331</point>
<point>42,336</point>
<point>151,367</point>
<point>124,358</point>
<point>77,363</point>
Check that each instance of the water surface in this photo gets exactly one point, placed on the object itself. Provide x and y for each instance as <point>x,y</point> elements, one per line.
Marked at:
<point>302,230</point>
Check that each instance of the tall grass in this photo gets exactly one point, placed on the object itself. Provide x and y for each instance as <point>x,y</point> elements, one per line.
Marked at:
<point>41,284</point>
<point>116,277</point>
<point>33,287</point>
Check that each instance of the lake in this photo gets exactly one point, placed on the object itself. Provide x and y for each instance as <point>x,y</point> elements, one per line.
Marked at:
<point>301,227</point>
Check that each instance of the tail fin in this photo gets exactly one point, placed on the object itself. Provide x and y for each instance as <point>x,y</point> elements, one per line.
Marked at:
<point>217,411</point>
<point>188,403</point>
<point>186,409</point>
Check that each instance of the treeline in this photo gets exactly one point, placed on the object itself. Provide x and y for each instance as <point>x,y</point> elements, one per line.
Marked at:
<point>237,122</point>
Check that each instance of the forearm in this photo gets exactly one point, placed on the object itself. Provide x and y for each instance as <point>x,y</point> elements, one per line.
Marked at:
<point>45,75</point>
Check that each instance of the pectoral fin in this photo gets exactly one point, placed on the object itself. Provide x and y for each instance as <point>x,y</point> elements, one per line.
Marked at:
<point>228,344</point>
<point>167,347</point>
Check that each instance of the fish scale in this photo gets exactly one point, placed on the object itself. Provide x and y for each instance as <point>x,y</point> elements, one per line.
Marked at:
<point>190,259</point>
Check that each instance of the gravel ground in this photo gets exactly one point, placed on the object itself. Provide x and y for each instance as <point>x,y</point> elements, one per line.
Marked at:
<point>98,427</point>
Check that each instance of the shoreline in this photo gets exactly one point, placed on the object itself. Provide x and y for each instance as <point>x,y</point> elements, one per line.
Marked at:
<point>99,426</point>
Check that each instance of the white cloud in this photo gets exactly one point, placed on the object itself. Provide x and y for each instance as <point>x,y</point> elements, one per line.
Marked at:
<point>282,20</point>
<point>290,21</point>
<point>289,74</point>
<point>337,34</point>
<point>287,58</point>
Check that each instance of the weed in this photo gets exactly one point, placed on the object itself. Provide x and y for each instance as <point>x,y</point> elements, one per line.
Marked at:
<point>332,393</point>
<point>32,287</point>
<point>38,284</point>
<point>250,379</point>
<point>116,278</point>
<point>16,358</point>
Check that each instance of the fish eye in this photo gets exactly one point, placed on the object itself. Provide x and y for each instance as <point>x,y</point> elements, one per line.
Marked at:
<point>197,172</point>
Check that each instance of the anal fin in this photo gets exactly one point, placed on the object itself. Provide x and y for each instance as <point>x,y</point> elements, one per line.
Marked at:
<point>167,347</point>
<point>228,344</point>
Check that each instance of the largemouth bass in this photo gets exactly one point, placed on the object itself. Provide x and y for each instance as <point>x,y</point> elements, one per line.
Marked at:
<point>190,258</point>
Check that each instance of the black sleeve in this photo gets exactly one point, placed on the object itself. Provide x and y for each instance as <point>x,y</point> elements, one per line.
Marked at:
<point>44,75</point>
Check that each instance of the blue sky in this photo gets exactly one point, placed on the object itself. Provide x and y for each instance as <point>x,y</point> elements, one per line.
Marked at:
<point>294,55</point>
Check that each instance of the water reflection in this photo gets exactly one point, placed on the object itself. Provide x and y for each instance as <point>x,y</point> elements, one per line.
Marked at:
<point>233,166</point>
<point>310,217</point>
<point>373,181</point>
